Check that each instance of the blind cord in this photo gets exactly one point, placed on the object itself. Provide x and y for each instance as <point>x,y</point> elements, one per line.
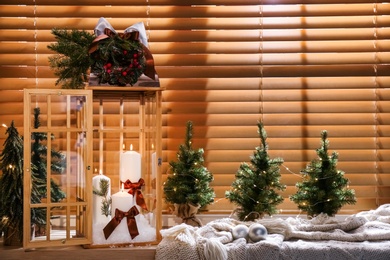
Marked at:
<point>376,85</point>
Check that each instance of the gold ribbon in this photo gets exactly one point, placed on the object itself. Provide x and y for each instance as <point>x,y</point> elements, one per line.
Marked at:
<point>135,190</point>
<point>131,36</point>
<point>116,220</point>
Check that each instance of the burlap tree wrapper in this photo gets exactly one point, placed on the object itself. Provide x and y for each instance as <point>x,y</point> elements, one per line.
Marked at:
<point>187,212</point>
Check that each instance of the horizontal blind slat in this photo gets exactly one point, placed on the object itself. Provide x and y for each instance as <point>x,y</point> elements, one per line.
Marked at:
<point>195,11</point>
<point>200,23</point>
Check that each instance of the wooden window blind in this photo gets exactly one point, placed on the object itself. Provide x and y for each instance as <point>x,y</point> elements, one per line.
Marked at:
<point>299,66</point>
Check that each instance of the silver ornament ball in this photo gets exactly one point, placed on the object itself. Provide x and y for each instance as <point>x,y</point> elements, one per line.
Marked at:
<point>257,232</point>
<point>240,231</point>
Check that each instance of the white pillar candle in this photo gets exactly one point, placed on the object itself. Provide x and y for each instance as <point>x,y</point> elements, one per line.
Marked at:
<point>97,214</point>
<point>122,201</point>
<point>130,166</point>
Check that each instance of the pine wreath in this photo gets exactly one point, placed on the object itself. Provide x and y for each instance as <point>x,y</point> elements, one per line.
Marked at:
<point>118,60</point>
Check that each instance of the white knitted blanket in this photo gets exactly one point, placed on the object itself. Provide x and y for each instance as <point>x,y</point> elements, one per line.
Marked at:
<point>365,235</point>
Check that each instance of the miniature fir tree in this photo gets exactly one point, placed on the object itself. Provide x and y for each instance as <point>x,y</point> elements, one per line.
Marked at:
<point>71,61</point>
<point>11,184</point>
<point>255,188</point>
<point>38,159</point>
<point>11,189</point>
<point>190,179</point>
<point>324,189</point>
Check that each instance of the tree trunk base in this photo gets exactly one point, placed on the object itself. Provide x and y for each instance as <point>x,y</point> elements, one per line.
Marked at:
<point>187,212</point>
<point>11,238</point>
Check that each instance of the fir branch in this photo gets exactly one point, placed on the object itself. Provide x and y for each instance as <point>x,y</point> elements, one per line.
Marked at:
<point>72,61</point>
<point>104,186</point>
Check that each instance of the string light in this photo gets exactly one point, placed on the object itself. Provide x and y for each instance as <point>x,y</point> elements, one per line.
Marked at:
<point>216,201</point>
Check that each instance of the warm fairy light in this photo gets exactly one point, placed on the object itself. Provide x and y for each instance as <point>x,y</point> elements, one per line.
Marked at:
<point>4,125</point>
<point>10,166</point>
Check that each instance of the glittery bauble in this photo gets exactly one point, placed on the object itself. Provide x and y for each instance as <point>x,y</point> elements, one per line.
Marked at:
<point>257,232</point>
<point>240,231</point>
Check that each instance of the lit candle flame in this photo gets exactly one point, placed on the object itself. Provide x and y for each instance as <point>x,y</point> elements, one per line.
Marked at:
<point>131,147</point>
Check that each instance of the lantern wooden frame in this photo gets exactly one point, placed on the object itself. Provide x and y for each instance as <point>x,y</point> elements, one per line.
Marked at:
<point>65,121</point>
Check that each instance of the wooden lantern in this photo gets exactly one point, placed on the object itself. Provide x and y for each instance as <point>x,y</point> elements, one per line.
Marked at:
<point>96,129</point>
<point>127,149</point>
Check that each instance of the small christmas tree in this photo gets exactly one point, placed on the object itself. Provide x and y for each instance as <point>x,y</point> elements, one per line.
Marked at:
<point>324,189</point>
<point>254,189</point>
<point>39,160</point>
<point>190,179</point>
<point>11,190</point>
<point>11,185</point>
<point>71,61</point>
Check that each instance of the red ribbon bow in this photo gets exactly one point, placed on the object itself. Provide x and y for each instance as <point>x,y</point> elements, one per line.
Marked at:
<point>132,36</point>
<point>135,190</point>
<point>116,220</point>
